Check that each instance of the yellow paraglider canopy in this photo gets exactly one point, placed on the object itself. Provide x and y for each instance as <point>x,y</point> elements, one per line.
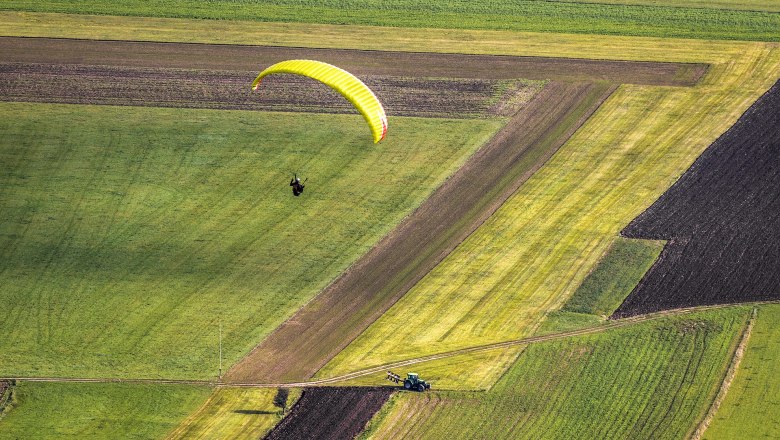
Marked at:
<point>343,82</point>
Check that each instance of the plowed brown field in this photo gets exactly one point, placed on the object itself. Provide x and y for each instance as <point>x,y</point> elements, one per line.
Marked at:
<point>331,413</point>
<point>722,218</point>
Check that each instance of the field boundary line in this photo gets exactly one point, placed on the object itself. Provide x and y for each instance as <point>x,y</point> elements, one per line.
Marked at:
<point>609,325</point>
<point>731,373</point>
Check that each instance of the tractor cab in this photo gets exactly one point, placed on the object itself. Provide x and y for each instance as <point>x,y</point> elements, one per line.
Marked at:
<point>413,382</point>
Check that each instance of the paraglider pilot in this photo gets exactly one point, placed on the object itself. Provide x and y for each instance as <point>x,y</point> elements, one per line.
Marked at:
<point>297,186</point>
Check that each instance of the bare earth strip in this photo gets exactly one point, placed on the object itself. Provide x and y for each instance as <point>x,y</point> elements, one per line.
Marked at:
<point>359,62</point>
<point>229,89</point>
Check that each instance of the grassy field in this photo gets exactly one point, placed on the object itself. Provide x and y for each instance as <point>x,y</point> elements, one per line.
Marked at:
<point>751,408</point>
<point>530,257</point>
<point>523,15</point>
<point>616,275</point>
<point>234,413</point>
<point>127,235</point>
<point>98,411</point>
<point>650,380</point>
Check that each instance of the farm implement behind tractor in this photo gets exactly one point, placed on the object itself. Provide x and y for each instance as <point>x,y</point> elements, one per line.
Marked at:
<point>412,381</point>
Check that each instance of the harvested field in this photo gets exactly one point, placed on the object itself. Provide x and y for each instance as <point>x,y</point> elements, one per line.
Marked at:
<point>359,62</point>
<point>229,89</point>
<point>722,220</point>
<point>320,330</point>
<point>331,413</point>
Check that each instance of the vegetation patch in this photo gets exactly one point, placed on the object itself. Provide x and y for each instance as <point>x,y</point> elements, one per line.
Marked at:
<point>615,276</point>
<point>98,410</point>
<point>237,413</point>
<point>650,380</point>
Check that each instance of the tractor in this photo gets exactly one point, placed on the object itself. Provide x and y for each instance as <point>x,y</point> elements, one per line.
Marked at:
<point>412,381</point>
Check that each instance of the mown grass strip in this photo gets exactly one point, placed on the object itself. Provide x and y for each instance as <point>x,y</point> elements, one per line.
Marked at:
<point>744,5</point>
<point>98,411</point>
<point>127,235</point>
<point>651,380</point>
<point>522,15</point>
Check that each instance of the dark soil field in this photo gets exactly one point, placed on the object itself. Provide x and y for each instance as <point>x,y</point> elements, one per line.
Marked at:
<point>331,413</point>
<point>722,220</point>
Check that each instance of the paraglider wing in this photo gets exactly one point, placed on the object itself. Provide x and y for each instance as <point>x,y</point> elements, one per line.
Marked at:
<point>343,82</point>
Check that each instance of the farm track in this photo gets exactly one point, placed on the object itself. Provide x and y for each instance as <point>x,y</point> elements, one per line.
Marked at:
<point>609,325</point>
<point>722,220</point>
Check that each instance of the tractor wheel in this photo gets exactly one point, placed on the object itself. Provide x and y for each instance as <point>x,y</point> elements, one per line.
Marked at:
<point>407,385</point>
<point>420,387</point>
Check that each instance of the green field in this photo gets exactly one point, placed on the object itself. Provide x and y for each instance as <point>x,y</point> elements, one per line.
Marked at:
<point>751,408</point>
<point>98,411</point>
<point>127,235</point>
<point>522,15</point>
<point>651,380</point>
